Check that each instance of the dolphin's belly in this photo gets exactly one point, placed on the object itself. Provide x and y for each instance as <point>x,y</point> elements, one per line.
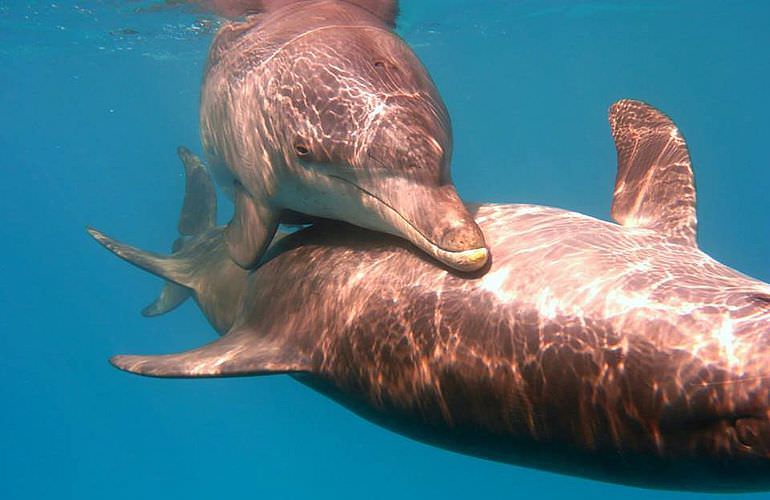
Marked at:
<point>508,372</point>
<point>566,394</point>
<point>698,470</point>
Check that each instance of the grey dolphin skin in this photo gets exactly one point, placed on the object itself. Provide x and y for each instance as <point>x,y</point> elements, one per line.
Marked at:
<point>620,353</point>
<point>317,108</point>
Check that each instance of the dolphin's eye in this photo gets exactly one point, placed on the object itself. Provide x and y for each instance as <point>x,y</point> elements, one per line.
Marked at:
<point>302,150</point>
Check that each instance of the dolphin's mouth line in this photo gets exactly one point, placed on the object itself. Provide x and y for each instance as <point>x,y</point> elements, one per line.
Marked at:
<point>385,203</point>
<point>459,257</point>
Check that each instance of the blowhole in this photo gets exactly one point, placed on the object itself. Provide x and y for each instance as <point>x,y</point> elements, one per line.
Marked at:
<point>384,65</point>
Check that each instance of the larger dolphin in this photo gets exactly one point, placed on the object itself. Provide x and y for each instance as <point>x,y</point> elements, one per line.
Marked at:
<point>316,107</point>
<point>615,352</point>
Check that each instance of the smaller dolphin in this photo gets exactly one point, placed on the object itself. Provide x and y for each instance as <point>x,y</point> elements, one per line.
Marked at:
<point>318,108</point>
<point>618,352</point>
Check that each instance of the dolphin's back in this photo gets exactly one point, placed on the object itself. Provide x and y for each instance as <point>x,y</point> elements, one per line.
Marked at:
<point>540,254</point>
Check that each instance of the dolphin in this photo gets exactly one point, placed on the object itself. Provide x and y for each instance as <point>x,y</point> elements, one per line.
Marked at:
<point>617,352</point>
<point>316,108</point>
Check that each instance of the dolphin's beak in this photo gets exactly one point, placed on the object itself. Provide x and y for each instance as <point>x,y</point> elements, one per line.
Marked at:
<point>432,217</point>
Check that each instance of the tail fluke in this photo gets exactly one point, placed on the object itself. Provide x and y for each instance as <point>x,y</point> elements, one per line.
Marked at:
<point>171,297</point>
<point>199,208</point>
<point>198,215</point>
<point>178,270</point>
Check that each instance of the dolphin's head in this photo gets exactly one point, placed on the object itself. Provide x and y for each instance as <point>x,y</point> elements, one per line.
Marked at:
<point>367,140</point>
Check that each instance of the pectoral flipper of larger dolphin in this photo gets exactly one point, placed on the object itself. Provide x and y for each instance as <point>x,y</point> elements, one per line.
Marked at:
<point>237,353</point>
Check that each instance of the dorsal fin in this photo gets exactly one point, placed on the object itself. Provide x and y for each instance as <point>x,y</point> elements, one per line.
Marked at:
<point>238,353</point>
<point>386,10</point>
<point>654,187</point>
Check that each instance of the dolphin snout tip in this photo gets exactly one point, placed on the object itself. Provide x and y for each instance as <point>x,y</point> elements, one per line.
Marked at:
<point>467,260</point>
<point>464,248</point>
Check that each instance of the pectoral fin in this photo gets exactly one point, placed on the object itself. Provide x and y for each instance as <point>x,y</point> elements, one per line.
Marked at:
<point>251,229</point>
<point>238,353</point>
<point>654,187</point>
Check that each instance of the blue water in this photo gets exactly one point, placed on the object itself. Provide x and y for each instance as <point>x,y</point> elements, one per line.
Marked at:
<point>96,95</point>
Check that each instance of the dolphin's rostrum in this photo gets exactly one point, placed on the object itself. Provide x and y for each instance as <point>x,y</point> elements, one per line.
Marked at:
<point>615,352</point>
<point>317,108</point>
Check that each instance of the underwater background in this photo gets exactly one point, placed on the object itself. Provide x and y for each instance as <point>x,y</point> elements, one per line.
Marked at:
<point>96,95</point>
